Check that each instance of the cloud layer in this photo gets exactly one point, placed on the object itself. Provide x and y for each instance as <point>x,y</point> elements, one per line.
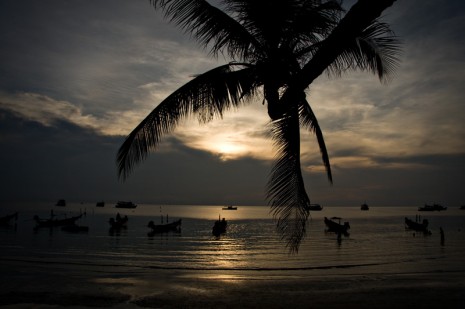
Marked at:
<point>101,67</point>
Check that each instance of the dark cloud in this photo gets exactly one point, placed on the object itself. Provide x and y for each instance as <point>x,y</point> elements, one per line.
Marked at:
<point>66,161</point>
<point>46,163</point>
<point>422,179</point>
<point>81,51</point>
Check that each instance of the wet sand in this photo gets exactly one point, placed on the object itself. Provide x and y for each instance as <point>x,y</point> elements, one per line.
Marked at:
<point>212,289</point>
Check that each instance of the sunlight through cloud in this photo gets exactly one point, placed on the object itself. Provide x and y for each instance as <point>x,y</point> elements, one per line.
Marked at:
<point>239,134</point>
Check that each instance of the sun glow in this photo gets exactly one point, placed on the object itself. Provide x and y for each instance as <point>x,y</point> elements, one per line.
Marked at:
<point>229,150</point>
<point>237,135</point>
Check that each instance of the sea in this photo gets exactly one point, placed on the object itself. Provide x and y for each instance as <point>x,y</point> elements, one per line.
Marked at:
<point>378,241</point>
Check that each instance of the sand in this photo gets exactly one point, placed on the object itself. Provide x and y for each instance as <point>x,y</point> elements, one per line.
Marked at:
<point>213,289</point>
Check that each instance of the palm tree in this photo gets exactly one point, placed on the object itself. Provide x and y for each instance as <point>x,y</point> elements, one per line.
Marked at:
<point>275,53</point>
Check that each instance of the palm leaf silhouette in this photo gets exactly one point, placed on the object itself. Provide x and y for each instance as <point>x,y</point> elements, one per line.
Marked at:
<point>207,95</point>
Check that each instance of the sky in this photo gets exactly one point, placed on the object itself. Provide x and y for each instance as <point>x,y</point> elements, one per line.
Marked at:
<point>77,76</point>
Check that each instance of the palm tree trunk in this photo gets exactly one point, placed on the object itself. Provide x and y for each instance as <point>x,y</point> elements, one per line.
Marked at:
<point>292,212</point>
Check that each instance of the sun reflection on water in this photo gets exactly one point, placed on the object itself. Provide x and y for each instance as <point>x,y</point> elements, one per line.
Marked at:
<point>226,277</point>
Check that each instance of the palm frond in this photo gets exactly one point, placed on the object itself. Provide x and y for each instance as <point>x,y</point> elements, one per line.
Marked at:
<point>376,50</point>
<point>210,25</point>
<point>308,120</point>
<point>285,24</point>
<point>208,95</point>
<point>285,189</point>
<point>360,16</point>
<point>381,49</point>
<point>312,22</point>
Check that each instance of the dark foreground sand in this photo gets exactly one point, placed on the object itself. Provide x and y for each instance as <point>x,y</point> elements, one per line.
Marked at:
<point>213,289</point>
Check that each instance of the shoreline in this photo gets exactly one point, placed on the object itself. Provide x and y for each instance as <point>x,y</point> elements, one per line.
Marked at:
<point>210,289</point>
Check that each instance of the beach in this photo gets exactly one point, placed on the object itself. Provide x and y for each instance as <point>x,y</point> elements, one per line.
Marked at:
<point>380,265</point>
<point>165,289</point>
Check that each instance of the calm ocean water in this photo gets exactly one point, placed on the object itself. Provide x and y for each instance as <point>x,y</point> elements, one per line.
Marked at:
<point>378,241</point>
